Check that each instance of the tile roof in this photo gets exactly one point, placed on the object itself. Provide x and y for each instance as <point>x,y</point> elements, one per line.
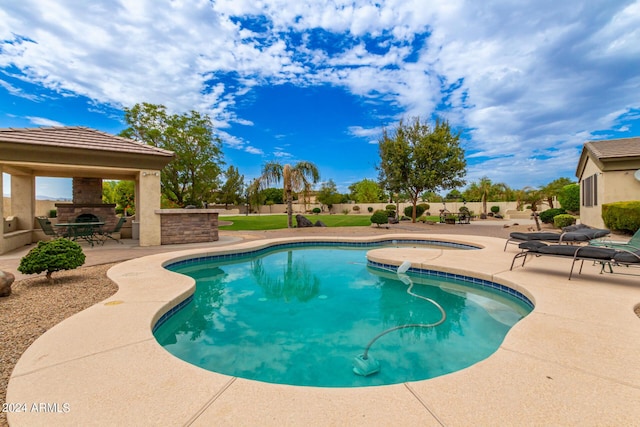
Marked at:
<point>614,148</point>
<point>79,137</point>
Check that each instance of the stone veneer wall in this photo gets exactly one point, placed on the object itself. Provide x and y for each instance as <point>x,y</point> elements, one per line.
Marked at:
<point>188,226</point>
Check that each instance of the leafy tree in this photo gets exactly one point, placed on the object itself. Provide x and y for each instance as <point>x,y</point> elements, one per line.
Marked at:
<point>569,197</point>
<point>416,158</point>
<point>328,194</point>
<point>232,189</point>
<point>296,178</point>
<point>554,188</point>
<point>430,196</point>
<point>275,195</point>
<point>453,195</point>
<point>366,191</point>
<point>194,173</point>
<point>121,193</point>
<point>55,255</point>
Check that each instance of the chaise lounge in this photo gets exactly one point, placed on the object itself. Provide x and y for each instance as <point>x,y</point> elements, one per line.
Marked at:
<point>572,234</point>
<point>632,245</point>
<point>606,257</point>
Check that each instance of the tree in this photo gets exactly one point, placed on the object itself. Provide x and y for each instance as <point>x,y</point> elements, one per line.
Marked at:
<point>121,193</point>
<point>534,198</point>
<point>275,195</point>
<point>294,179</point>
<point>193,175</point>
<point>233,187</point>
<point>55,255</point>
<point>416,158</point>
<point>366,191</point>
<point>485,190</point>
<point>569,197</point>
<point>328,194</point>
<point>554,188</point>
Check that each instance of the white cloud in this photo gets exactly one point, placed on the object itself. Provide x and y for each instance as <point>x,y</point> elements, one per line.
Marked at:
<point>41,121</point>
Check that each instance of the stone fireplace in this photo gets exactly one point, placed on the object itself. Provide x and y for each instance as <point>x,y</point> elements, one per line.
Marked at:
<point>87,199</point>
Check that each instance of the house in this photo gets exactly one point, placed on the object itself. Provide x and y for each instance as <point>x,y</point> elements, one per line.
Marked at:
<point>608,171</point>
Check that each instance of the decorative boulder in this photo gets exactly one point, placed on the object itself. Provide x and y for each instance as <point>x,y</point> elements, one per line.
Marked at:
<point>303,221</point>
<point>319,224</point>
<point>6,279</point>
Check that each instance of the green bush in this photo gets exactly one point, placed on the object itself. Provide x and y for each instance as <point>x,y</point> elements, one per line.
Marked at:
<point>563,220</point>
<point>53,213</point>
<point>408,211</point>
<point>547,216</point>
<point>380,217</point>
<point>495,209</point>
<point>569,198</point>
<point>622,216</point>
<point>390,207</point>
<point>316,210</point>
<point>55,255</point>
<point>370,209</point>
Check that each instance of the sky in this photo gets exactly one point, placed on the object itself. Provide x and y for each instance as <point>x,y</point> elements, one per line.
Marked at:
<point>525,83</point>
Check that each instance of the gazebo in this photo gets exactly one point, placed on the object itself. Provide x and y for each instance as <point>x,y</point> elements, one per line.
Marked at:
<point>88,156</point>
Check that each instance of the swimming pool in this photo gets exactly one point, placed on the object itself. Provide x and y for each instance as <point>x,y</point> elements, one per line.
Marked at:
<point>299,314</point>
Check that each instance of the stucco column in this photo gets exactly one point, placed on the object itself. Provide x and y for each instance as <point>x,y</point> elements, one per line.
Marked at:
<point>23,200</point>
<point>147,201</point>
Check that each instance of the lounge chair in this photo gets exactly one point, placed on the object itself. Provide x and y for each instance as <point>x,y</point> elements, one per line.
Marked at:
<point>108,234</point>
<point>606,257</point>
<point>47,228</point>
<point>571,234</point>
<point>632,245</point>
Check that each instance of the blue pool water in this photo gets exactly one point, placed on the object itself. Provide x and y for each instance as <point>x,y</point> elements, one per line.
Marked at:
<point>301,315</point>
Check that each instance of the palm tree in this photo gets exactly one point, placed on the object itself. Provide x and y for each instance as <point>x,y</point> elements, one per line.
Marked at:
<point>296,178</point>
<point>534,198</point>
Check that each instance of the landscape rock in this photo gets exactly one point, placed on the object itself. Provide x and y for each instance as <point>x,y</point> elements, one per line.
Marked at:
<point>302,221</point>
<point>319,224</point>
<point>6,279</point>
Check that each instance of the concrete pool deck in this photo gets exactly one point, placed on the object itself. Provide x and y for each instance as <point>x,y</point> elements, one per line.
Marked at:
<point>573,360</point>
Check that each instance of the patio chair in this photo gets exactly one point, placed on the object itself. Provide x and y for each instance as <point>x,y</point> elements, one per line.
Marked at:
<point>606,257</point>
<point>632,245</point>
<point>572,234</point>
<point>108,234</point>
<point>47,227</point>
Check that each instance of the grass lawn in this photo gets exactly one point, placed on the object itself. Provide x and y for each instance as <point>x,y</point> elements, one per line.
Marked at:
<point>273,222</point>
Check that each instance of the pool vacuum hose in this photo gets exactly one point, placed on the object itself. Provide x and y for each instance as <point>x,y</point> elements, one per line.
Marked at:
<point>366,365</point>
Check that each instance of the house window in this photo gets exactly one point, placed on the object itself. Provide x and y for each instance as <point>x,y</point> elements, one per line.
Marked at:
<point>590,191</point>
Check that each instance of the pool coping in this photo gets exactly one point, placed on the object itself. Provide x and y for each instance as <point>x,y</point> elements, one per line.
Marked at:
<point>559,365</point>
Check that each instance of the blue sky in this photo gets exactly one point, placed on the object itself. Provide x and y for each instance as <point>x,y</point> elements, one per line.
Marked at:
<point>527,83</point>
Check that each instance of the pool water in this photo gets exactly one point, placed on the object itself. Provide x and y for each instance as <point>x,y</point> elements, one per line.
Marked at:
<point>300,316</point>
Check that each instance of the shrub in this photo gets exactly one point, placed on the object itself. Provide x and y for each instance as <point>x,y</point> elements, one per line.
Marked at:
<point>53,213</point>
<point>569,197</point>
<point>370,209</point>
<point>316,210</point>
<point>547,216</point>
<point>356,208</point>
<point>346,211</point>
<point>390,207</point>
<point>563,220</point>
<point>495,209</point>
<point>622,216</point>
<point>391,213</point>
<point>55,255</point>
<point>408,211</point>
<point>380,217</point>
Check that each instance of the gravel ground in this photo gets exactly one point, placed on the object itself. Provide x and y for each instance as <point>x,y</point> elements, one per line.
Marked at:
<point>34,306</point>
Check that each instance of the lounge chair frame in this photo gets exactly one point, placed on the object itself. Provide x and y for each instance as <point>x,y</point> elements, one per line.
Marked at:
<point>579,255</point>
